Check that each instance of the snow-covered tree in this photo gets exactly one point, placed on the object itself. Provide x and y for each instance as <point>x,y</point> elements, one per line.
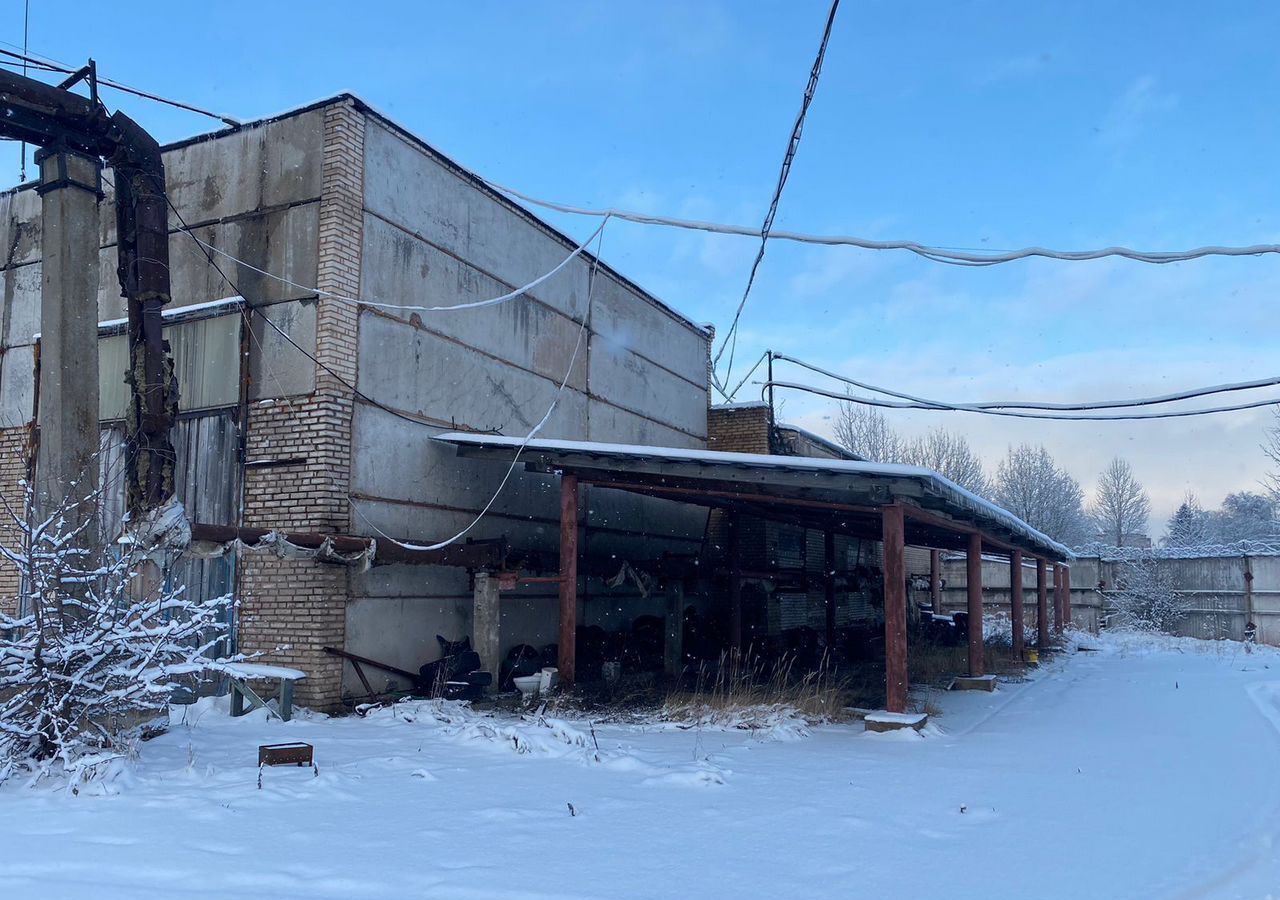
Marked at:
<point>1190,525</point>
<point>95,647</point>
<point>950,455</point>
<point>1031,486</point>
<point>863,430</point>
<point>1120,505</point>
<point>1245,516</point>
<point>1145,598</point>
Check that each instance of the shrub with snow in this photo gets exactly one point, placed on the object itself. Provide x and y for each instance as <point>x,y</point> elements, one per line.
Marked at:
<point>1145,599</point>
<point>91,653</point>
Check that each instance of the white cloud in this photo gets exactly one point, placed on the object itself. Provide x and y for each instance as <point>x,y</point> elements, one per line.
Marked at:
<point>1134,111</point>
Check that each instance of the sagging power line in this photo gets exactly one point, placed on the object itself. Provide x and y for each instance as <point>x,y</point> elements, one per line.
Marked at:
<point>793,145</point>
<point>1009,413</point>
<point>925,402</point>
<point>934,253</point>
<point>48,65</point>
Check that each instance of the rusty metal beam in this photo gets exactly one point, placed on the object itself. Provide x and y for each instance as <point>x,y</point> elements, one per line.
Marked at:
<point>973,573</point>
<point>1066,596</point>
<point>935,580</point>
<point>1058,611</point>
<point>1016,597</point>
<point>829,585</point>
<point>568,578</point>
<point>735,583</point>
<point>895,609</point>
<point>1042,603</point>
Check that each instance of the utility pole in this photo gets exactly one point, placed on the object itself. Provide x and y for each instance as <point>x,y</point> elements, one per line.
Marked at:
<point>67,468</point>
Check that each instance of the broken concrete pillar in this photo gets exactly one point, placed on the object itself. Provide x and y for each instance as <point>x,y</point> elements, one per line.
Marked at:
<point>67,466</point>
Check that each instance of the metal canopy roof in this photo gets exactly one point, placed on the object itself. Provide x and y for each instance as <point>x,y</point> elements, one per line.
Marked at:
<point>830,494</point>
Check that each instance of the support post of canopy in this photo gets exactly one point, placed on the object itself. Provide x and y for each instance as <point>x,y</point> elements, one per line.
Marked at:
<point>1015,599</point>
<point>935,580</point>
<point>829,586</point>
<point>1042,604</point>
<point>568,577</point>
<point>973,571</point>
<point>895,609</point>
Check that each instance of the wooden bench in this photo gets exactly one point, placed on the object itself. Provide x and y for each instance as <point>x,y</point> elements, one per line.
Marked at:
<point>242,673</point>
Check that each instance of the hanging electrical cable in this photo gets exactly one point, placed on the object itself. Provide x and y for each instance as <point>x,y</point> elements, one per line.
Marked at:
<point>1015,414</point>
<point>936,254</point>
<point>533,432</point>
<point>1020,404</point>
<point>405,307</point>
<point>793,145</point>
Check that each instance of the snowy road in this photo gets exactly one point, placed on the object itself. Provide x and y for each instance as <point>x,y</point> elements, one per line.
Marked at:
<point>1137,771</point>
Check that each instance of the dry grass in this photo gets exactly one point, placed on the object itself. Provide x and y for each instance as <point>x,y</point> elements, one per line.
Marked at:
<point>743,684</point>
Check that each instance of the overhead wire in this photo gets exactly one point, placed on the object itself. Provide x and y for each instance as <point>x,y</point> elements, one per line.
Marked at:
<point>1016,414</point>
<point>1189,394</point>
<point>937,254</point>
<point>591,281</point>
<point>49,65</point>
<point>793,146</point>
<point>355,391</point>
<point>405,307</point>
<point>599,233</point>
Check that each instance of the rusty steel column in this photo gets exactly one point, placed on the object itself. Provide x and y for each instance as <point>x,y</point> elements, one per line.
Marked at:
<point>935,580</point>
<point>1042,604</point>
<point>1057,598</point>
<point>735,583</point>
<point>973,573</point>
<point>568,577</point>
<point>895,609</point>
<point>1016,598</point>
<point>829,585</point>
<point>1066,596</point>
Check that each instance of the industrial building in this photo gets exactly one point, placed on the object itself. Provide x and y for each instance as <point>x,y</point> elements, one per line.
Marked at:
<point>314,259</point>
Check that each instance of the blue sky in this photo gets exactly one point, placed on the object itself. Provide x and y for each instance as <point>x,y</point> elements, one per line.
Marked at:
<point>978,124</point>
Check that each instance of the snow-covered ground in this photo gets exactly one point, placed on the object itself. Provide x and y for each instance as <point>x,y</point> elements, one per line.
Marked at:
<point>1150,768</point>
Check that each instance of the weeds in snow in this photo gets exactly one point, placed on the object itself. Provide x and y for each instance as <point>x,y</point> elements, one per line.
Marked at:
<point>746,692</point>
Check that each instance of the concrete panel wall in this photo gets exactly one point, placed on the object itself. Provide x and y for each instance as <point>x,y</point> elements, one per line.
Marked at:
<point>253,193</point>
<point>432,237</point>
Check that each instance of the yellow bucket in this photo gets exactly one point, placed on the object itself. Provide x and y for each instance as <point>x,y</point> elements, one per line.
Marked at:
<point>1033,657</point>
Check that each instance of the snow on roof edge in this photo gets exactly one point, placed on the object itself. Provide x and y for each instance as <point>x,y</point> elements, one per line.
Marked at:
<point>961,496</point>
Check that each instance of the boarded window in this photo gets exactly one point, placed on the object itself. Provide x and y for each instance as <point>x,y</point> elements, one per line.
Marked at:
<point>206,360</point>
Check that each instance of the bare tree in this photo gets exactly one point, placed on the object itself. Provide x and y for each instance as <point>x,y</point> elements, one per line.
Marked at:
<point>1120,505</point>
<point>950,455</point>
<point>863,430</point>
<point>1271,447</point>
<point>1031,486</point>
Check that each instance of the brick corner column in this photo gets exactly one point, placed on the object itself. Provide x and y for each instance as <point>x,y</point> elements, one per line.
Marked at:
<point>292,609</point>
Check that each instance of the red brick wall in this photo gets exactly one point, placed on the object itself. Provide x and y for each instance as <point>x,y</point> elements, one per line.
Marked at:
<point>739,429</point>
